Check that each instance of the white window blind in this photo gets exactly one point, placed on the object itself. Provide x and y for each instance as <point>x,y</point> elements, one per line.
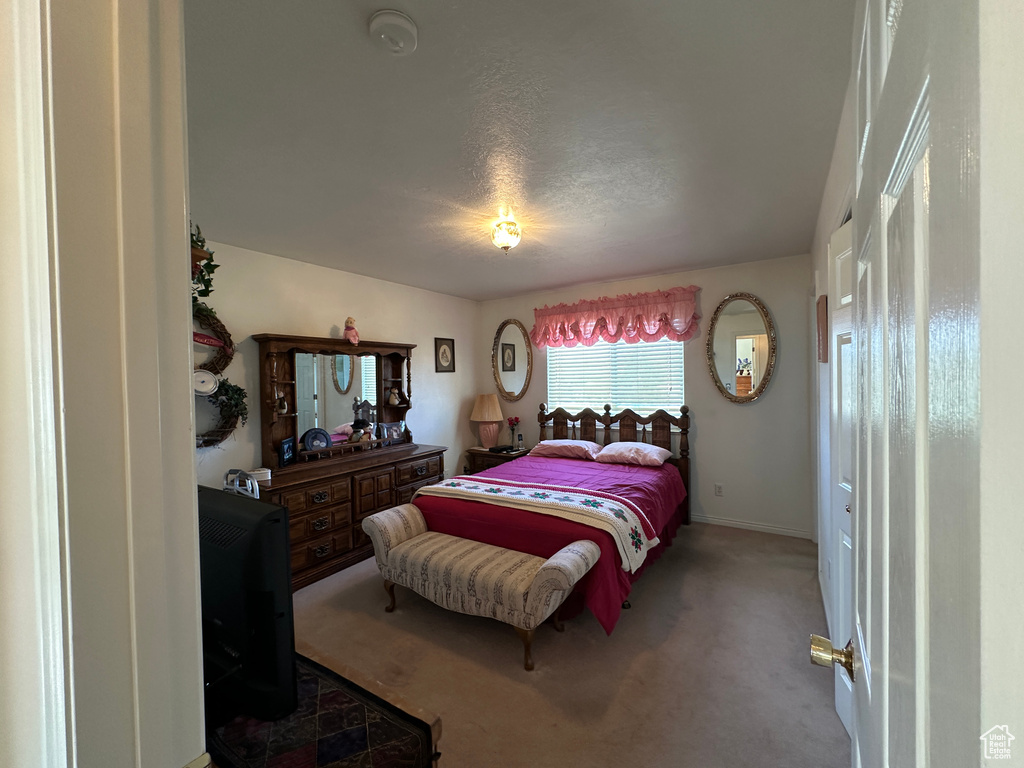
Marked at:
<point>368,378</point>
<point>643,376</point>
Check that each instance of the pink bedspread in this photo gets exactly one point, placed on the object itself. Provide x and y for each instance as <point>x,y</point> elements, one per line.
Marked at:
<point>658,490</point>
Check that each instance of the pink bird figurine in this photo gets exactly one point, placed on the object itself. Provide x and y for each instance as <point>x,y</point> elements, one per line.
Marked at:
<point>350,331</point>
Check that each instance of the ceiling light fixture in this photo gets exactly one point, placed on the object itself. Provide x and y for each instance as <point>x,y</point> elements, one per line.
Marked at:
<point>394,32</point>
<point>506,234</point>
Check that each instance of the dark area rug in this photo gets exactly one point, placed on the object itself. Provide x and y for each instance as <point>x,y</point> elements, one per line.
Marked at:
<point>337,725</point>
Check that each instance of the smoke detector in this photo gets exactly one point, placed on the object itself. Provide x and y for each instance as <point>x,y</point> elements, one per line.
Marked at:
<point>394,32</point>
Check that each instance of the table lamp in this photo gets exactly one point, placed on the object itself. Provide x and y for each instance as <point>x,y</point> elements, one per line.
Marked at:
<point>487,411</point>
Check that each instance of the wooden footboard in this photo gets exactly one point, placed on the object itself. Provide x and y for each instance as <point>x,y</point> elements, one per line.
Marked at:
<point>631,427</point>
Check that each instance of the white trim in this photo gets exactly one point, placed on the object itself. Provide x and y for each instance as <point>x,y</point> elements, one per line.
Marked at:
<point>34,658</point>
<point>747,525</point>
<point>122,323</point>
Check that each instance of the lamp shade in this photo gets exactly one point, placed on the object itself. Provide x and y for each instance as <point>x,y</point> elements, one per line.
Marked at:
<point>486,408</point>
<point>506,234</point>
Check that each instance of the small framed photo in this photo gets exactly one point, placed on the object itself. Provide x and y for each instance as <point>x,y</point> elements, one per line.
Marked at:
<point>286,452</point>
<point>444,355</point>
<point>508,357</point>
<point>391,432</point>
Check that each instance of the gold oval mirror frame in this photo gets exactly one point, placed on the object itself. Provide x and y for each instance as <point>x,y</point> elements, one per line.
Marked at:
<point>741,375</point>
<point>506,356</point>
<point>345,373</point>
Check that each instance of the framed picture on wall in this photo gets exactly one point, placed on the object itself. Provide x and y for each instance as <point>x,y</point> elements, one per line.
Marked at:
<point>508,357</point>
<point>444,355</point>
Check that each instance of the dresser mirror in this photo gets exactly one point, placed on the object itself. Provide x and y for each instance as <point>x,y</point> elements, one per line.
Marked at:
<point>327,386</point>
<point>512,360</point>
<point>741,347</point>
<point>323,383</point>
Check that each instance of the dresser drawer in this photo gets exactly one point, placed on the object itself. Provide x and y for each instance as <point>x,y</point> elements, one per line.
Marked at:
<point>321,549</point>
<point>374,490</point>
<point>315,495</point>
<point>414,471</point>
<point>318,522</point>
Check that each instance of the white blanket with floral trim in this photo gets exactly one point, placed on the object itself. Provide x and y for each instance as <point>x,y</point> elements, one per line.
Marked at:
<point>625,521</point>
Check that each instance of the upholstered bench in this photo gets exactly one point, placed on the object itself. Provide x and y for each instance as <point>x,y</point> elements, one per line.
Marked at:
<point>472,577</point>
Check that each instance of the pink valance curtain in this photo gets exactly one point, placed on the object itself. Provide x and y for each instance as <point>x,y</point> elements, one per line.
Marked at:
<point>633,316</point>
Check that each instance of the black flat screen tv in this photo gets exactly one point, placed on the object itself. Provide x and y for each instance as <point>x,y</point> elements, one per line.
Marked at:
<point>248,629</point>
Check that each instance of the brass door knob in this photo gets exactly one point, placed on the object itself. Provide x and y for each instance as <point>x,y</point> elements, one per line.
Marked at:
<point>823,654</point>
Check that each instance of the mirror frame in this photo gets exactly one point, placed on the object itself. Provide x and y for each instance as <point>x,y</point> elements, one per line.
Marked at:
<point>495,359</point>
<point>334,374</point>
<point>772,347</point>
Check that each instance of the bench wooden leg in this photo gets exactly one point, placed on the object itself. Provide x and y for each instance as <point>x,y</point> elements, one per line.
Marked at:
<point>526,635</point>
<point>556,620</point>
<point>390,587</point>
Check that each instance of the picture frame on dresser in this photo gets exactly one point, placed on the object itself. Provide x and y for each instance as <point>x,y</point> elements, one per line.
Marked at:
<point>390,433</point>
<point>286,452</point>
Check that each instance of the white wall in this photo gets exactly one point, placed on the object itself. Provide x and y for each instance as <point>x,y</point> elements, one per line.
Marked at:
<point>759,451</point>
<point>260,293</point>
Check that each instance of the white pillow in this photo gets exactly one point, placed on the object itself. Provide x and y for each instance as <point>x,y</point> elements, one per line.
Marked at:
<point>566,449</point>
<point>633,453</point>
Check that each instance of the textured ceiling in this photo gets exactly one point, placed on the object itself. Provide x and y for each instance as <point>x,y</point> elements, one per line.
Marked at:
<point>628,138</point>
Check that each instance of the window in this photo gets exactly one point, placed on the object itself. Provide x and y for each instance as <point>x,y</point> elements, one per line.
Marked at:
<point>368,378</point>
<point>644,376</point>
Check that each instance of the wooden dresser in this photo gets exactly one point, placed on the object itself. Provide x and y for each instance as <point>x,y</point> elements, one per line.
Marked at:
<point>328,491</point>
<point>327,503</point>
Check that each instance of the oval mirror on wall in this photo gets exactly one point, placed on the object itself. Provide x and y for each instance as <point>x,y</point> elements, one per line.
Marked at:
<point>341,373</point>
<point>741,347</point>
<point>512,360</point>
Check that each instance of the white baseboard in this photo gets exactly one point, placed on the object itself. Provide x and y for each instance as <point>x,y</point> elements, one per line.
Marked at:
<point>203,761</point>
<point>763,527</point>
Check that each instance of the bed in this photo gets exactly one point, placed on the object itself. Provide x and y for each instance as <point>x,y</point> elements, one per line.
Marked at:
<point>659,494</point>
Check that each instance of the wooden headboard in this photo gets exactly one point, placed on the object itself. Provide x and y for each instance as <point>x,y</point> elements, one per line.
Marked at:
<point>631,426</point>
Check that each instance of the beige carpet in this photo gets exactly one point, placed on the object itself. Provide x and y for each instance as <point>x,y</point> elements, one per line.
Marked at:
<point>709,668</point>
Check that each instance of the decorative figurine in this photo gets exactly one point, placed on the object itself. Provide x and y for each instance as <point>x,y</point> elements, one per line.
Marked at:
<point>393,396</point>
<point>350,331</point>
<point>362,432</point>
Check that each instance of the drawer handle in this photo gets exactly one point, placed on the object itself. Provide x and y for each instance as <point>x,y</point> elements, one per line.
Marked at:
<point>320,497</point>
<point>321,522</point>
<point>421,471</point>
<point>323,550</point>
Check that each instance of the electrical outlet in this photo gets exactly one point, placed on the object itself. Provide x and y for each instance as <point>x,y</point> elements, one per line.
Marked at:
<point>718,489</point>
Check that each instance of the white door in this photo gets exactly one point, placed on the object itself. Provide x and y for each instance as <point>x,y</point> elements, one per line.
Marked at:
<point>917,515</point>
<point>889,519</point>
<point>843,429</point>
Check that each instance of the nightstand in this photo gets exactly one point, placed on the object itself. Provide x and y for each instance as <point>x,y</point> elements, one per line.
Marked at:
<point>481,458</point>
